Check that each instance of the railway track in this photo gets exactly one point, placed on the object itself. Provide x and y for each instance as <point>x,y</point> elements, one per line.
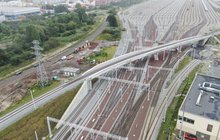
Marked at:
<point>130,109</point>
<point>170,92</point>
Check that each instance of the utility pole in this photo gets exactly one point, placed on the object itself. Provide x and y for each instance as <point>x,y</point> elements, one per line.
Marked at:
<point>32,97</point>
<point>36,136</point>
<point>42,78</point>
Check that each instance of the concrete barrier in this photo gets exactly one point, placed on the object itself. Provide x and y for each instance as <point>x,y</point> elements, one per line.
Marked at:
<point>75,102</point>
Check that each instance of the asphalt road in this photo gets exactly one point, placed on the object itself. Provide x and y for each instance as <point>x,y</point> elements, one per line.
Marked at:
<point>54,59</point>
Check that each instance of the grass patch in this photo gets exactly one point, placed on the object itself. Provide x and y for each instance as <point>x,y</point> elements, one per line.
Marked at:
<point>102,56</point>
<point>36,121</point>
<point>104,36</point>
<point>36,93</point>
<point>111,33</point>
<point>168,127</point>
<point>212,41</point>
<point>183,63</point>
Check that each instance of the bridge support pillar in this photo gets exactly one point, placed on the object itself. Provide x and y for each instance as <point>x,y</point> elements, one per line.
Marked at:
<point>148,72</point>
<point>216,39</point>
<point>204,41</point>
<point>156,56</point>
<point>92,136</point>
<point>49,127</point>
<point>194,51</point>
<point>179,49</point>
<point>120,92</point>
<point>148,93</point>
<point>109,85</point>
<point>89,84</point>
<point>164,54</point>
<point>99,101</point>
<point>116,73</point>
<point>130,66</point>
<point>105,138</point>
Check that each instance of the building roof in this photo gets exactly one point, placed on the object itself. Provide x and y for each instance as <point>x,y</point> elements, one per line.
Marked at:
<point>11,11</point>
<point>70,69</point>
<point>49,1</point>
<point>208,104</point>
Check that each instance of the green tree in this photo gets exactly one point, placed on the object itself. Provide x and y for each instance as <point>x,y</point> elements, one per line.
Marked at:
<point>112,11</point>
<point>49,6</point>
<point>4,29</point>
<point>81,12</point>
<point>53,30</point>
<point>61,9</point>
<point>15,60</point>
<point>31,34</point>
<point>112,20</point>
<point>71,25</point>
<point>62,27</point>
<point>52,43</point>
<point>3,58</point>
<point>75,17</point>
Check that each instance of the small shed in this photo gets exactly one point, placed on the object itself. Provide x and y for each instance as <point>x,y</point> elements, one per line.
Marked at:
<point>70,71</point>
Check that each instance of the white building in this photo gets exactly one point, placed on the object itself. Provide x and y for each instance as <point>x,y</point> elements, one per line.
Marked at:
<point>70,71</point>
<point>200,111</point>
<point>50,2</point>
<point>11,3</point>
<point>103,2</point>
<point>2,18</point>
<point>16,12</point>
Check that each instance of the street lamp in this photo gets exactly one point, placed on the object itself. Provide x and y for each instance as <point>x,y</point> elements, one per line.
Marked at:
<point>32,97</point>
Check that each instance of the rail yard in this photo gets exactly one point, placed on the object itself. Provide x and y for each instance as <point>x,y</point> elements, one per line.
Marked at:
<point>126,98</point>
<point>125,101</point>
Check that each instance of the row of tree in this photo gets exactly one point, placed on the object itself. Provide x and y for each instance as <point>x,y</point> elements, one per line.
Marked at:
<point>114,30</point>
<point>46,29</point>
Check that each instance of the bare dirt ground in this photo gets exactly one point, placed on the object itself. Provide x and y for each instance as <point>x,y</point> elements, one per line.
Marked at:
<point>14,92</point>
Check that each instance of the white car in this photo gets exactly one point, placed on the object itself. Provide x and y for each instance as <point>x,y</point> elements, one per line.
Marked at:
<point>63,58</point>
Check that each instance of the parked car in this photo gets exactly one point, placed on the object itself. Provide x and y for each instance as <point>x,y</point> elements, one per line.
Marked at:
<point>35,65</point>
<point>190,136</point>
<point>63,58</point>
<point>18,73</point>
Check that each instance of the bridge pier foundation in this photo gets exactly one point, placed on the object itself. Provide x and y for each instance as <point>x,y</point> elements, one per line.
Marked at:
<point>148,72</point>
<point>121,93</point>
<point>194,51</point>
<point>109,85</point>
<point>164,54</point>
<point>92,136</point>
<point>105,138</point>
<point>216,39</point>
<point>89,84</point>
<point>156,56</point>
<point>179,49</point>
<point>204,41</point>
<point>130,66</point>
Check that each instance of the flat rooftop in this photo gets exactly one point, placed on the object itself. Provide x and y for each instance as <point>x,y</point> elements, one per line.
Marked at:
<point>208,106</point>
<point>70,69</point>
<point>18,10</point>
